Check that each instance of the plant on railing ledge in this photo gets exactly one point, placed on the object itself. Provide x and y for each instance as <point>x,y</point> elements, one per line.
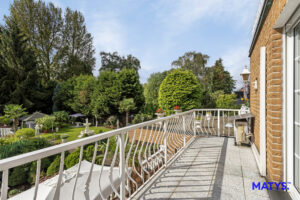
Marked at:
<point>177,108</point>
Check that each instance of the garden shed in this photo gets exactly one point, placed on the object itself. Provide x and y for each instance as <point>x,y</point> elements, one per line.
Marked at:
<point>29,121</point>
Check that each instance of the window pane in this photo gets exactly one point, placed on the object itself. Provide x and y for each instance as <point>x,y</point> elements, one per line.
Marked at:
<point>297,107</point>
<point>297,110</point>
<point>296,157</point>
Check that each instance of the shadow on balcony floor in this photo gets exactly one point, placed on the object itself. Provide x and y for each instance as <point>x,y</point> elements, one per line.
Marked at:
<point>211,168</point>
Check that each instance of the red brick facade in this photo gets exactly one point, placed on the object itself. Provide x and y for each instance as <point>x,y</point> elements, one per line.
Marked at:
<point>272,40</point>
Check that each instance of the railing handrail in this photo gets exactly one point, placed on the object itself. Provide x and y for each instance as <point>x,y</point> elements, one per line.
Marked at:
<point>18,160</point>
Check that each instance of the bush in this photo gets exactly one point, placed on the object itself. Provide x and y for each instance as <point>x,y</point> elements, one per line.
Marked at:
<point>47,122</point>
<point>19,175</point>
<point>61,117</point>
<point>139,118</point>
<point>13,192</point>
<point>111,121</point>
<point>72,159</point>
<point>226,101</point>
<point>24,133</point>
<point>54,166</point>
<point>180,88</point>
<point>64,136</point>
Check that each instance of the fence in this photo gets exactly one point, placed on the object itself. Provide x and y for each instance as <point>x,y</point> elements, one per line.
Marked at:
<point>122,160</point>
<point>5,131</point>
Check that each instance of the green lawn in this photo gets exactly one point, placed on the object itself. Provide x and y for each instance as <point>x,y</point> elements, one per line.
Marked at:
<point>72,132</point>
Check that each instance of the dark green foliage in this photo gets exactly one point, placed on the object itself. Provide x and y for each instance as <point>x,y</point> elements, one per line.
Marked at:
<point>61,117</point>
<point>72,159</point>
<point>106,95</point>
<point>54,166</point>
<point>20,175</point>
<point>180,88</point>
<point>151,89</point>
<point>22,146</point>
<point>115,62</point>
<point>25,133</point>
<point>130,87</point>
<point>138,118</point>
<point>217,78</point>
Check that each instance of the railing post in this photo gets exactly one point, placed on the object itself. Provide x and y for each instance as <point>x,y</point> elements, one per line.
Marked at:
<point>4,186</point>
<point>184,129</point>
<point>219,130</point>
<point>166,141</point>
<point>122,166</point>
<point>194,118</point>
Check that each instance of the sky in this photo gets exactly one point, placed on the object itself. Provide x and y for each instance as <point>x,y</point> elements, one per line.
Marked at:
<point>157,32</point>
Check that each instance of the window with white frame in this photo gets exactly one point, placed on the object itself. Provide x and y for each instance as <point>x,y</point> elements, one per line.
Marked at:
<point>297,108</point>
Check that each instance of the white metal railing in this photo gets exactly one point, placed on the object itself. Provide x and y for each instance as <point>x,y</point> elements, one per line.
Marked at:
<point>137,151</point>
<point>5,131</point>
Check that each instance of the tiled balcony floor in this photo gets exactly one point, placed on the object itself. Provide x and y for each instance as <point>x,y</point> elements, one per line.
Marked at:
<point>210,168</point>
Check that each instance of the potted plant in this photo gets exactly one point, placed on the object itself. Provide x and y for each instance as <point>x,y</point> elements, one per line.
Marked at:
<point>160,113</point>
<point>64,138</point>
<point>177,109</point>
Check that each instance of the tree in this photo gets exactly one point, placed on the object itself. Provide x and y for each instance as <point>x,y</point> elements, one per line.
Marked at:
<point>106,95</point>
<point>42,24</point>
<point>130,87</point>
<point>180,88</point>
<point>151,88</point>
<point>226,101</point>
<point>83,90</point>
<point>77,47</point>
<point>115,62</point>
<point>20,82</point>
<point>217,78</point>
<point>62,46</point>
<point>13,111</point>
<point>194,61</point>
<point>126,105</point>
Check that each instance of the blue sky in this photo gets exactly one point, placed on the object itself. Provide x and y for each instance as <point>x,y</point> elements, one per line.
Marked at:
<point>159,31</point>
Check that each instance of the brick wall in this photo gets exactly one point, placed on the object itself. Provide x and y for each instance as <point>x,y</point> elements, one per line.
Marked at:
<point>272,40</point>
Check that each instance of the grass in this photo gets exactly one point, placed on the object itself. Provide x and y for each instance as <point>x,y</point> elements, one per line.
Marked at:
<point>72,132</point>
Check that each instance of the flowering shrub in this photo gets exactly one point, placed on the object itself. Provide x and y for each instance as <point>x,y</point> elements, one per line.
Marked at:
<point>177,108</point>
<point>159,110</point>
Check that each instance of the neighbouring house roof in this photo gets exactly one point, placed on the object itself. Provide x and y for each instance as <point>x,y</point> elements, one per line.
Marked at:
<point>34,116</point>
<point>262,13</point>
<point>77,115</point>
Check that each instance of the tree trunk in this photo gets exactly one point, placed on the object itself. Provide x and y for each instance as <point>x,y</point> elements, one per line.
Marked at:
<point>127,114</point>
<point>96,121</point>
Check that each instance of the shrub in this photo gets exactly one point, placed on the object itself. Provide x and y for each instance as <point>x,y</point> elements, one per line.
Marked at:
<point>89,152</point>
<point>13,192</point>
<point>72,159</point>
<point>47,122</point>
<point>24,133</point>
<point>111,121</point>
<point>226,101</point>
<point>180,88</point>
<point>61,117</point>
<point>54,166</point>
<point>19,175</point>
<point>138,118</point>
<point>64,136</point>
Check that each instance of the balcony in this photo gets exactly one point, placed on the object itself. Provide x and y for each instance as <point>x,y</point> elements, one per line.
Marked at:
<point>190,155</point>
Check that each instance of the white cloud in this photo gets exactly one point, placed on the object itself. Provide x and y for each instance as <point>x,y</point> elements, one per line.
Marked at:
<point>182,14</point>
<point>108,33</point>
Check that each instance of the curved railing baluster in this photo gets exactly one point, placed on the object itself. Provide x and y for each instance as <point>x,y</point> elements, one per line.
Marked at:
<point>78,171</point>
